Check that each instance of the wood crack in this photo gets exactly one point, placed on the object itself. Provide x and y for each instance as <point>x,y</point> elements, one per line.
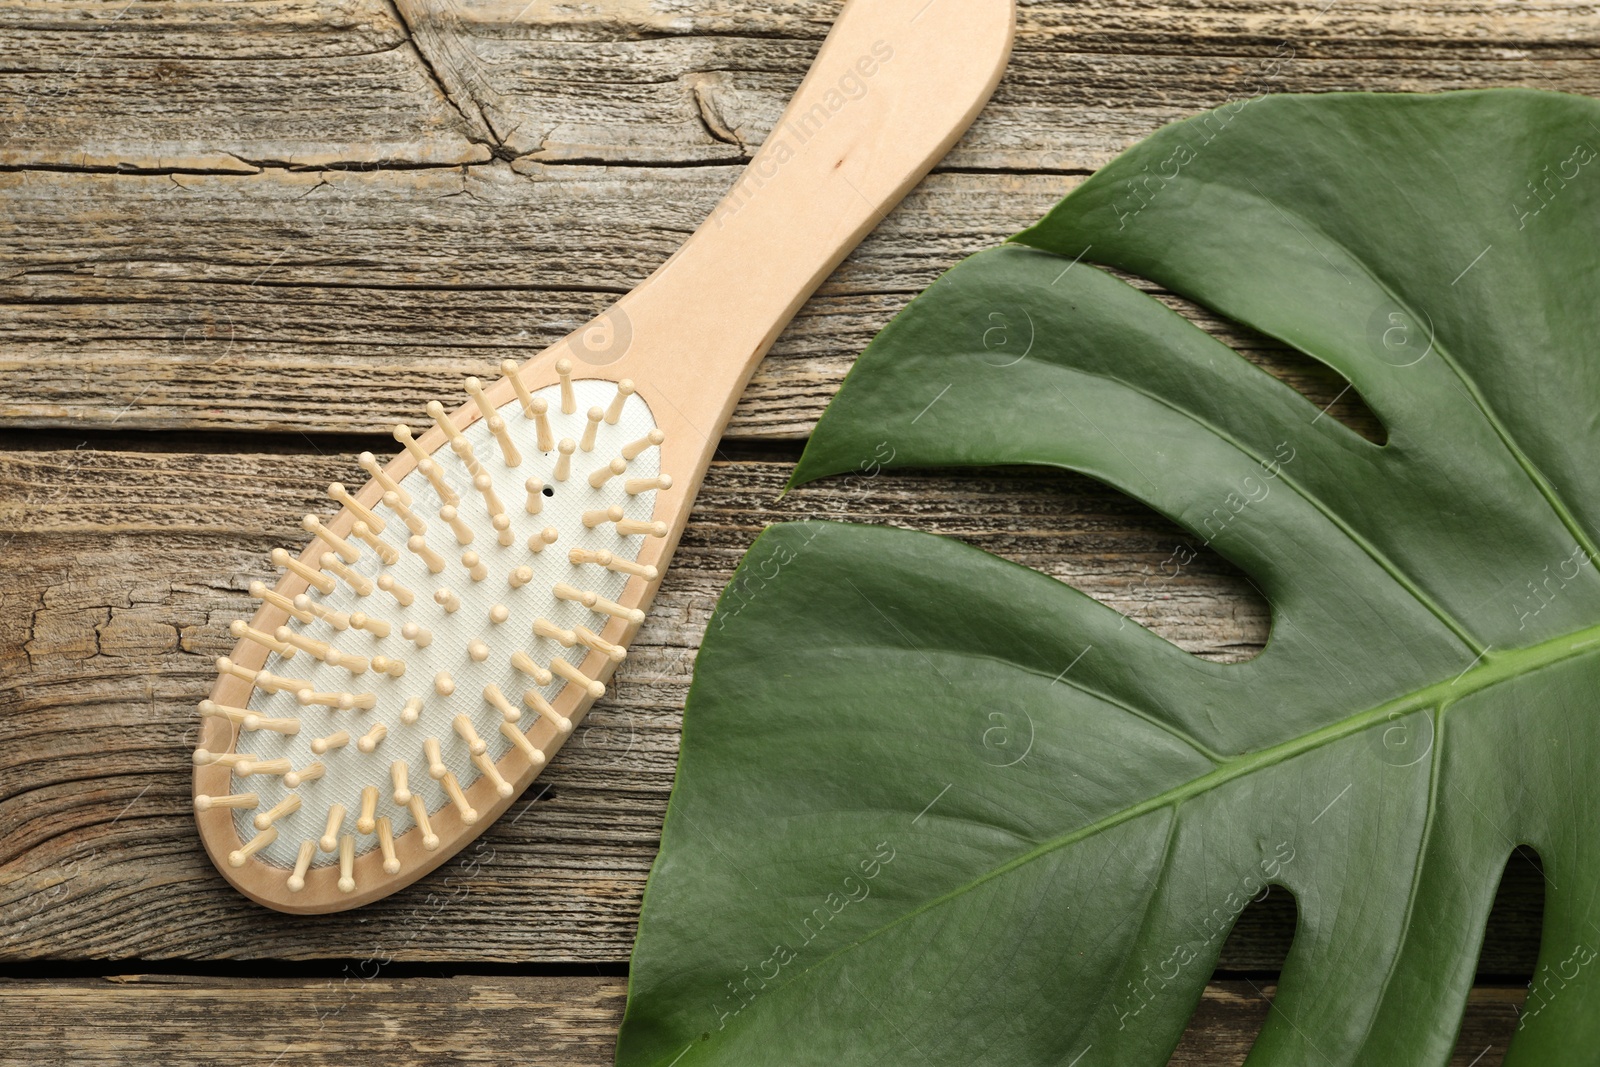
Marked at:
<point>418,26</point>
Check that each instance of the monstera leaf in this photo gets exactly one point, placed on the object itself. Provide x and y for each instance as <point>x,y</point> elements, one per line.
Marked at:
<point>852,872</point>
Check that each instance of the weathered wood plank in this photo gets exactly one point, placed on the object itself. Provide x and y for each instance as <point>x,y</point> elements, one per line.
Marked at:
<point>118,575</point>
<point>339,301</point>
<point>352,1020</point>
<point>400,1022</point>
<point>266,299</point>
<point>218,87</point>
<point>208,86</point>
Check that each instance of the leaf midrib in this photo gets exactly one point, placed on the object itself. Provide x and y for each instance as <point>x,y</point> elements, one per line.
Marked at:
<point>1487,671</point>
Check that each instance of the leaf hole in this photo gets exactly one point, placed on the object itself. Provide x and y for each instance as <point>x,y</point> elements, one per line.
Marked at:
<point>1326,389</point>
<point>1084,533</point>
<point>1512,932</point>
<point>1238,998</point>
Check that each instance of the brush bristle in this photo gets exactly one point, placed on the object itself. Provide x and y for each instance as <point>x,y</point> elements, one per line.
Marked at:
<point>476,589</point>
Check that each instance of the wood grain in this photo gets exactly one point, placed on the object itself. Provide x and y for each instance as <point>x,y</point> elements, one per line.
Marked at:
<point>311,216</point>
<point>119,573</point>
<point>270,292</point>
<point>363,1017</point>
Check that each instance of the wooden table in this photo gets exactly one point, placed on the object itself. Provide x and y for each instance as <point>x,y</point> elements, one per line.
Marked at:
<point>241,239</point>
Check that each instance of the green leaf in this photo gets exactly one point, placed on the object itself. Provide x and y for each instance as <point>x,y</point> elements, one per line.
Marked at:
<point>935,808</point>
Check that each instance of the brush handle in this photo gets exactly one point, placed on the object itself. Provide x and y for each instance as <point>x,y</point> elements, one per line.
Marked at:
<point>896,83</point>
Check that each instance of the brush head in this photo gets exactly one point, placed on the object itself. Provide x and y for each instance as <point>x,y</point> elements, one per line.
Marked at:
<point>435,643</point>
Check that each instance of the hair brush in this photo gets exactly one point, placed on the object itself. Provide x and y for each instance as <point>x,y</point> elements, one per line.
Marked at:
<point>426,655</point>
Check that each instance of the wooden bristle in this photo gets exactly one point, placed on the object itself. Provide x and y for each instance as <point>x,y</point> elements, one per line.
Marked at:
<point>286,727</point>
<point>330,836</point>
<point>601,475</point>
<point>458,526</point>
<point>485,487</point>
<point>546,628</point>
<point>345,550</point>
<point>260,591</point>
<point>316,579</point>
<point>479,397</point>
<point>436,767</point>
<point>419,815</point>
<point>511,732</point>
<point>522,662</point>
<point>385,551</point>
<point>586,442</point>
<point>309,773</point>
<point>245,632</point>
<point>635,486</point>
<point>432,559</point>
<point>569,400</point>
<point>336,619</point>
<point>232,800</point>
<point>245,768</point>
<point>447,600</point>
<point>535,700</point>
<point>420,636</point>
<point>634,528</point>
<point>375,627</point>
<point>403,596</point>
<point>391,862</point>
<point>590,639</point>
<point>486,766</point>
<point>442,419</point>
<point>476,569</point>
<point>464,729</point>
<point>541,422</point>
<point>543,539</point>
<point>563,469</point>
<point>634,449</point>
<point>336,740</point>
<point>302,863</point>
<point>400,775</point>
<point>347,864</point>
<point>287,806</point>
<point>369,741</point>
<point>293,641</point>
<point>412,711</point>
<point>625,389</point>
<point>394,668</point>
<point>572,674</point>
<point>402,433</point>
<point>239,856</point>
<point>497,700</point>
<point>441,488</point>
<point>366,822</point>
<point>205,758</point>
<point>508,367</point>
<point>362,513</point>
<point>452,788</point>
<point>598,516</point>
<point>520,577</point>
<point>406,515</point>
<point>535,489</point>
<point>341,701</point>
<point>369,463</point>
<point>477,651</point>
<point>360,583</point>
<point>274,683</point>
<point>443,684</point>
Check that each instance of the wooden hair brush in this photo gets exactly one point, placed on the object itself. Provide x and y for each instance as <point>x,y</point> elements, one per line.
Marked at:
<point>432,647</point>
